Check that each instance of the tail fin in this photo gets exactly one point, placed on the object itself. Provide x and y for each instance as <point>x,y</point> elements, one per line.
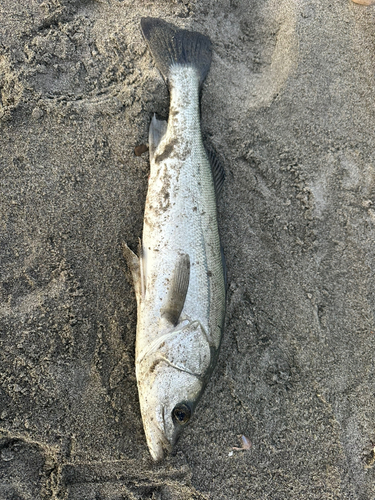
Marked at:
<point>171,46</point>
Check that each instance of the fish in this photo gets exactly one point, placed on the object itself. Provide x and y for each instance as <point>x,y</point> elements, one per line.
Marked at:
<point>179,273</point>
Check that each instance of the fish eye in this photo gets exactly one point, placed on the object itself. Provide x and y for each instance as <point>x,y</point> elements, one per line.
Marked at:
<point>181,413</point>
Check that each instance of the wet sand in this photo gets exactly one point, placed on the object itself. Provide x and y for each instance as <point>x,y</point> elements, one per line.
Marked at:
<point>289,107</point>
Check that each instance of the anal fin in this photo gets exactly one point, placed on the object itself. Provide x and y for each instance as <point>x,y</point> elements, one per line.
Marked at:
<point>178,289</point>
<point>156,132</point>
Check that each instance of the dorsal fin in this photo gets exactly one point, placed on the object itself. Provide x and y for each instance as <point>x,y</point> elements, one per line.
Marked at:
<point>177,291</point>
<point>223,261</point>
<point>218,172</point>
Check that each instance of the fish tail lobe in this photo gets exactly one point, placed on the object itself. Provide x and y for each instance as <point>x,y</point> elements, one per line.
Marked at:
<point>171,46</point>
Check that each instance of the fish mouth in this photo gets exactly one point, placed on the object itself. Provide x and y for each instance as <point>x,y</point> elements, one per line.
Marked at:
<point>157,441</point>
<point>159,446</point>
<point>158,451</point>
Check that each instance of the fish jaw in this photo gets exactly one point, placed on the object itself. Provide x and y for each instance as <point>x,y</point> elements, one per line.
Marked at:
<point>158,443</point>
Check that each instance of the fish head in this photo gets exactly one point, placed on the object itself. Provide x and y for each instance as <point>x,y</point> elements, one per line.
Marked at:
<point>167,408</point>
<point>170,381</point>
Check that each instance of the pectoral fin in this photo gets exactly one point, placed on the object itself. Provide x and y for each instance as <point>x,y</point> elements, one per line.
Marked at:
<point>177,292</point>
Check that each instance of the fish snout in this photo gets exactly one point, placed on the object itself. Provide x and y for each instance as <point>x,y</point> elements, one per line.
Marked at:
<point>158,451</point>
<point>158,443</point>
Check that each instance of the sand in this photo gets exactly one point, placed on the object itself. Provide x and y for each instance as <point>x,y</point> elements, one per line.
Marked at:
<point>289,107</point>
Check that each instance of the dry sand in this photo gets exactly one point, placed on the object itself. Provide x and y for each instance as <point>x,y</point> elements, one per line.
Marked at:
<point>289,107</point>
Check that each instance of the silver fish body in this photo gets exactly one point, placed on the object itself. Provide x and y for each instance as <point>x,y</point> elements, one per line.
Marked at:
<point>179,276</point>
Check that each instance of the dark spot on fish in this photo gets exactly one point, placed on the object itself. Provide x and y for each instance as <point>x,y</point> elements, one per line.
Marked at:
<point>174,112</point>
<point>195,209</point>
<point>167,151</point>
<point>154,364</point>
<point>209,274</point>
<point>165,201</point>
<point>139,150</point>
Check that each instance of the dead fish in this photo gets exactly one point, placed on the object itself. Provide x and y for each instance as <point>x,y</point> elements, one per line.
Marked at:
<point>179,273</point>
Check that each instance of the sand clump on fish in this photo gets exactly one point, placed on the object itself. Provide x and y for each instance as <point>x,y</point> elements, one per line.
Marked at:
<point>179,275</point>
